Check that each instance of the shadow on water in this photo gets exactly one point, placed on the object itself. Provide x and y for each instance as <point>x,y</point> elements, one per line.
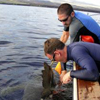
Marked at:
<point>4,42</point>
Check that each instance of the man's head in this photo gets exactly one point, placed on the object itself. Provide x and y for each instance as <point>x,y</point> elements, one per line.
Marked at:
<point>54,49</point>
<point>65,13</point>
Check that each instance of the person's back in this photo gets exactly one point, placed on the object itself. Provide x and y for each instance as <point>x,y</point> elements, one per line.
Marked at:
<point>85,50</point>
<point>88,27</point>
<point>89,23</point>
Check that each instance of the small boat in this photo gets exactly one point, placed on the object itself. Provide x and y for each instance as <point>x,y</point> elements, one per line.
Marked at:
<point>85,90</point>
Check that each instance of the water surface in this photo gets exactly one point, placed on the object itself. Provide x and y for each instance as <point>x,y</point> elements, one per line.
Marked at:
<point>23,30</point>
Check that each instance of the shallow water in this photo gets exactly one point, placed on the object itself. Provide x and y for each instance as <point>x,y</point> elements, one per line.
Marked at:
<point>23,30</point>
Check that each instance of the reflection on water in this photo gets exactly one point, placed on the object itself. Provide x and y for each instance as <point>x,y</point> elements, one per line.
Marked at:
<point>22,34</point>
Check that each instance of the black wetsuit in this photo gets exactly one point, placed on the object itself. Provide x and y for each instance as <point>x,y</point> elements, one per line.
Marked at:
<point>87,56</point>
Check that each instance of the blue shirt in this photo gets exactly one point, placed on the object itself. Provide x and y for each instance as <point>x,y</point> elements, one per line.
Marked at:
<point>87,56</point>
<point>89,23</point>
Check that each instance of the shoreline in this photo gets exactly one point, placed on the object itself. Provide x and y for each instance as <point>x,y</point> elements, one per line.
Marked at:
<point>26,4</point>
<point>79,8</point>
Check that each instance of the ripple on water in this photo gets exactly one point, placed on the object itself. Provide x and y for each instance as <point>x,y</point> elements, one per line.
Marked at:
<point>4,42</point>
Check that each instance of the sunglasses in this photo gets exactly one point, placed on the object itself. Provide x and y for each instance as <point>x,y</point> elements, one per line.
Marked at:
<point>53,57</point>
<point>64,19</point>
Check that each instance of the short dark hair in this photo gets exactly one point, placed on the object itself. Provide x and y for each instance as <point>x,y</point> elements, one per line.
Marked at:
<point>50,45</point>
<point>65,9</point>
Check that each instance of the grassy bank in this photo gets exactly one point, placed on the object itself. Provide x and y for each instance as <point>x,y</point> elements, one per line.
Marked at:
<point>82,7</point>
<point>12,2</point>
<point>16,2</point>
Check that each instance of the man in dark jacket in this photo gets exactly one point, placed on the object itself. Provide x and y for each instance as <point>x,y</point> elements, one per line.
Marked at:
<point>86,55</point>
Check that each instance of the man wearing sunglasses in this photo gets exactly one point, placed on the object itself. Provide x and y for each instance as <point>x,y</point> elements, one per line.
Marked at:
<point>86,55</point>
<point>77,25</point>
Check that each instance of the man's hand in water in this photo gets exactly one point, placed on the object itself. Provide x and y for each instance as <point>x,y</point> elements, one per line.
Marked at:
<point>66,78</point>
<point>62,75</point>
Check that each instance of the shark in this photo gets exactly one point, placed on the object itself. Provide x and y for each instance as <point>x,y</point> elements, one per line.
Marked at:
<point>44,86</point>
<point>48,81</point>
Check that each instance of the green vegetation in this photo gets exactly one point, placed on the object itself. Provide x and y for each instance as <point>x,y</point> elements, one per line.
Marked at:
<point>16,2</point>
<point>28,3</point>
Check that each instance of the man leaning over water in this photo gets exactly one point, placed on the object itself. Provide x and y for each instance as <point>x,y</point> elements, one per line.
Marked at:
<point>86,55</point>
<point>77,25</point>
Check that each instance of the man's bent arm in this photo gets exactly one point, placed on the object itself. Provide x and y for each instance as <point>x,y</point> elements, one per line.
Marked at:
<point>64,36</point>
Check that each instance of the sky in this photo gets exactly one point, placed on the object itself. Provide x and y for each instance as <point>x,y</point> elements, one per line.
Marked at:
<point>94,2</point>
